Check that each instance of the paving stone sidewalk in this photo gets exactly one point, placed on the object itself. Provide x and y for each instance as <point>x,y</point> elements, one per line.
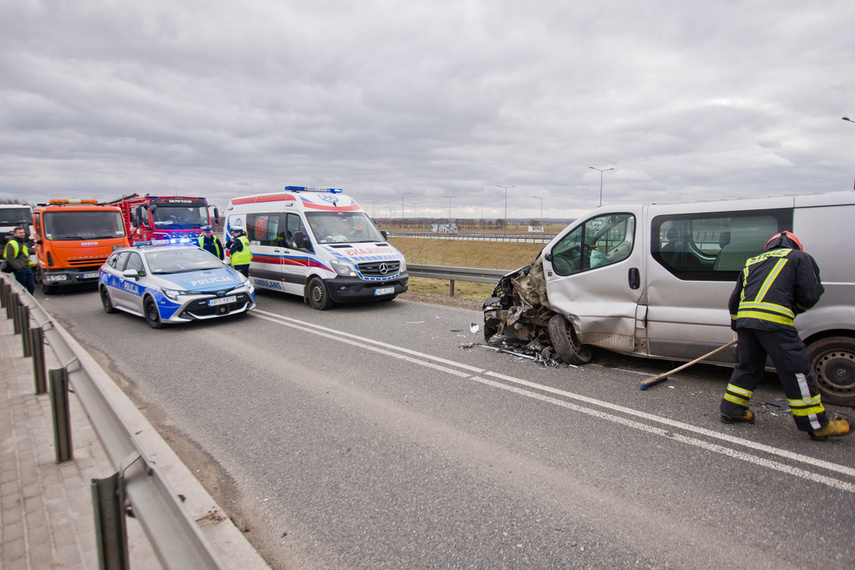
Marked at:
<point>46,514</point>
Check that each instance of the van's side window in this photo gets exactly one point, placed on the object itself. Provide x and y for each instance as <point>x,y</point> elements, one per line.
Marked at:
<point>263,229</point>
<point>296,234</point>
<point>600,241</point>
<point>713,246</point>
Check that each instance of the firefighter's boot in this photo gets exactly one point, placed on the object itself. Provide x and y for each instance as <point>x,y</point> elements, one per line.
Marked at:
<point>835,428</point>
<point>747,417</point>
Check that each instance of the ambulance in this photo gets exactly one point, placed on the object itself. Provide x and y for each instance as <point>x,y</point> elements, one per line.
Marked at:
<point>317,243</point>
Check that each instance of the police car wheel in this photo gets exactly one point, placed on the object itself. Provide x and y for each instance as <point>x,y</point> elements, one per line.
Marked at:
<point>106,302</point>
<point>319,298</point>
<point>152,315</point>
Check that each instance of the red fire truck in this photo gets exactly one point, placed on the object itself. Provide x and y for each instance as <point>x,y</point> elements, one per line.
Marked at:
<point>149,218</point>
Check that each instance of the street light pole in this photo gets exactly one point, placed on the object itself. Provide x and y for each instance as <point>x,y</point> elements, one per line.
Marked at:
<point>541,208</point>
<point>848,119</point>
<point>402,208</point>
<point>449,206</point>
<point>601,170</point>
<point>506,200</point>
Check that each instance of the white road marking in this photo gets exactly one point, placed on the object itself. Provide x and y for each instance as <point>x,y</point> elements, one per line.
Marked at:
<point>474,373</point>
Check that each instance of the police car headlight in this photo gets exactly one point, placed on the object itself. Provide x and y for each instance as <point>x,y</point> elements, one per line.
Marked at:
<point>245,286</point>
<point>344,268</point>
<point>174,293</point>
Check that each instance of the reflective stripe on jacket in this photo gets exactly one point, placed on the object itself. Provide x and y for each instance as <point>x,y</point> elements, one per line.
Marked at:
<point>773,288</point>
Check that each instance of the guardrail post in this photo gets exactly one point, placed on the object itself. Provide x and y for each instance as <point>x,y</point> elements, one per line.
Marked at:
<point>108,499</point>
<point>37,343</point>
<point>451,289</point>
<point>16,314</point>
<point>25,330</point>
<point>61,415</point>
<point>4,292</point>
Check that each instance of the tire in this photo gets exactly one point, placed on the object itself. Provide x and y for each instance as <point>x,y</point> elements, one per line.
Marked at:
<point>319,297</point>
<point>109,308</point>
<point>833,360</point>
<point>151,313</point>
<point>566,345</point>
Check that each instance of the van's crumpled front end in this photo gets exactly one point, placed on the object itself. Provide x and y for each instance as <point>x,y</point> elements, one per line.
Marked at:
<point>520,310</point>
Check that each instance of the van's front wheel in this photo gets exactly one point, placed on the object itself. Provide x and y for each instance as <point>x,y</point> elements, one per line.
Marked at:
<point>319,297</point>
<point>833,360</point>
<point>565,342</point>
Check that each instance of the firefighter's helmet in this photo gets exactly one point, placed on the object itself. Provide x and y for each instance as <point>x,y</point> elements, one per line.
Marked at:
<point>783,239</point>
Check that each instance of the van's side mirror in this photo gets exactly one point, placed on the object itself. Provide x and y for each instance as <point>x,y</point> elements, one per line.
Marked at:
<point>301,241</point>
<point>548,257</point>
<point>385,234</point>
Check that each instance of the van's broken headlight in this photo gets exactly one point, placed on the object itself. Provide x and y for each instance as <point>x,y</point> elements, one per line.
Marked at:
<point>344,268</point>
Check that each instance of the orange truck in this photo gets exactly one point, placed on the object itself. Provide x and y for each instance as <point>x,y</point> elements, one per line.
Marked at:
<point>73,239</point>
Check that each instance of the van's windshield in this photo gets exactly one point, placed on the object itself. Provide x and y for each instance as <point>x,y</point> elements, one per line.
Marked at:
<point>343,227</point>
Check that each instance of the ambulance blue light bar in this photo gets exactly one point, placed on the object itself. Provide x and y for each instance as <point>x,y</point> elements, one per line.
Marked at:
<point>308,189</point>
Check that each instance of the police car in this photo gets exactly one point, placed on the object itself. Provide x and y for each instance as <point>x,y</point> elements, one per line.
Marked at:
<point>172,284</point>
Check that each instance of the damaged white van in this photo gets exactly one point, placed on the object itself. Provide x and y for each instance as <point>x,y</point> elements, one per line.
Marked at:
<point>318,243</point>
<point>653,280</point>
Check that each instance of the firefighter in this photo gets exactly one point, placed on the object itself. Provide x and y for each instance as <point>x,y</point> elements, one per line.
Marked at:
<point>239,251</point>
<point>18,257</point>
<point>210,243</point>
<point>771,290</point>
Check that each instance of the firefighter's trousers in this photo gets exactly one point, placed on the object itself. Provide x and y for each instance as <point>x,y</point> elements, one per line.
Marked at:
<point>788,354</point>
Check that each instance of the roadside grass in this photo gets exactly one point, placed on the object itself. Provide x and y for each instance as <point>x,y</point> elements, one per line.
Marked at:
<point>462,253</point>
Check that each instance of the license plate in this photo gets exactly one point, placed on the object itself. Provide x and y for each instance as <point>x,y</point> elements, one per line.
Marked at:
<point>384,291</point>
<point>93,275</point>
<point>222,301</point>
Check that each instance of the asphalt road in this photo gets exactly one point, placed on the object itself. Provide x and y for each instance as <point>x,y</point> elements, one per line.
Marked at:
<point>370,436</point>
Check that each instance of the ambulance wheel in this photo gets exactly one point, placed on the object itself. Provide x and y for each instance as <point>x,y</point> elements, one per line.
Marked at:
<point>833,360</point>
<point>152,315</point>
<point>105,300</point>
<point>319,297</point>
<point>566,343</point>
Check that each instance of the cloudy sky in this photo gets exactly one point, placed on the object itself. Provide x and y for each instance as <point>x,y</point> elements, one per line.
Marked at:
<point>422,100</point>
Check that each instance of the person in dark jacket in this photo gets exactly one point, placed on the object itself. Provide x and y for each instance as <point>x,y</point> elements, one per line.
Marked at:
<point>210,243</point>
<point>771,290</point>
<point>18,256</point>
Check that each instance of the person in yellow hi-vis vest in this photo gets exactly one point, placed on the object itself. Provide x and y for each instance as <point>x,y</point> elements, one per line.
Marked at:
<point>18,257</point>
<point>239,252</point>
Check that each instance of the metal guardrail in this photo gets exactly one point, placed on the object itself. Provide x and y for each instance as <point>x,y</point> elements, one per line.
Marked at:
<point>473,274</point>
<point>475,236</point>
<point>175,537</point>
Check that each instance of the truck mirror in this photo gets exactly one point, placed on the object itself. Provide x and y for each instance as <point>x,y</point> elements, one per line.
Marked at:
<point>216,215</point>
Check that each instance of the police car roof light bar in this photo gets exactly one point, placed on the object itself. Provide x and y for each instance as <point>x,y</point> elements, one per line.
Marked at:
<point>308,189</point>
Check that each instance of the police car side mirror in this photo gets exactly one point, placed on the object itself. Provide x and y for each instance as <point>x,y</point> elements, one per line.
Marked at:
<point>130,274</point>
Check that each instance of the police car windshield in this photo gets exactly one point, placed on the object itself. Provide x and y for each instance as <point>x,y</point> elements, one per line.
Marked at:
<point>181,260</point>
<point>343,227</point>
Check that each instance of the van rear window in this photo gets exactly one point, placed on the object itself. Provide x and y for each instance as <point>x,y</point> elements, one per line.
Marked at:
<point>713,246</point>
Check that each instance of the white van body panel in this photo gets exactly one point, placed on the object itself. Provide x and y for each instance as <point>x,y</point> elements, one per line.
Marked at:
<point>274,221</point>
